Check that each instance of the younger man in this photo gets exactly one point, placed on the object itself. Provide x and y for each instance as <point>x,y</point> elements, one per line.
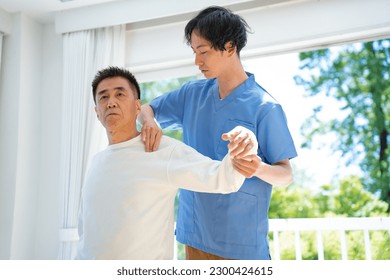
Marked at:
<point>233,226</point>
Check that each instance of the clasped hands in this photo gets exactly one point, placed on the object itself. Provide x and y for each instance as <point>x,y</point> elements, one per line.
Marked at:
<point>243,150</point>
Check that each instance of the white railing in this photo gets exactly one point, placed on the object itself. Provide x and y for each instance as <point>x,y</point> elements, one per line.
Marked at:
<point>276,226</point>
<point>319,225</point>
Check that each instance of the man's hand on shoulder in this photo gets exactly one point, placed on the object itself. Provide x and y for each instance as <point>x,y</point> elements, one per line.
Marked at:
<point>151,133</point>
<point>151,136</point>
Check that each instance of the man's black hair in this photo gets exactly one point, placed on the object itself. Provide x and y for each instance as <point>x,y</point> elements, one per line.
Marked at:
<point>219,26</point>
<point>112,72</point>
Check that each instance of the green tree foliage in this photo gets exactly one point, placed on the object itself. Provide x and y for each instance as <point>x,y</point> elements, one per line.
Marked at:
<point>293,202</point>
<point>358,77</point>
<point>347,198</point>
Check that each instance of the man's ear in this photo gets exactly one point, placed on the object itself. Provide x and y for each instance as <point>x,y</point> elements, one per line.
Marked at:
<point>230,48</point>
<point>138,106</point>
<point>97,114</point>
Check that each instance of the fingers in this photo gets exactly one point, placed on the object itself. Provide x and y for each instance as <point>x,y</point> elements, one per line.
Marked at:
<point>243,168</point>
<point>157,142</point>
<point>241,145</point>
<point>151,136</point>
<point>242,142</point>
<point>242,148</point>
<point>247,166</point>
<point>229,136</point>
<point>232,133</point>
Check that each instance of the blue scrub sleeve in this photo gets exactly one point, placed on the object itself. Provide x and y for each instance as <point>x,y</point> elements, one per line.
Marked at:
<point>169,108</point>
<point>274,136</point>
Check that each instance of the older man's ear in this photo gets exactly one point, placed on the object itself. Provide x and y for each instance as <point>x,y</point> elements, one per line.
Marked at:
<point>138,102</point>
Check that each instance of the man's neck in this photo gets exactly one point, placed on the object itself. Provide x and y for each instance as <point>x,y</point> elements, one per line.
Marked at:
<point>115,137</point>
<point>230,81</point>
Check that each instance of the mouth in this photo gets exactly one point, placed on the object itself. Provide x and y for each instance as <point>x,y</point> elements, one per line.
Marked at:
<point>112,114</point>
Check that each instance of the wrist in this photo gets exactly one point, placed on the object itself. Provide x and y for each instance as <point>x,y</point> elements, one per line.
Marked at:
<point>261,169</point>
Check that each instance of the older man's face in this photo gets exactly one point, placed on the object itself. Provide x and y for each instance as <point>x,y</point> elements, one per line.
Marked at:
<point>116,104</point>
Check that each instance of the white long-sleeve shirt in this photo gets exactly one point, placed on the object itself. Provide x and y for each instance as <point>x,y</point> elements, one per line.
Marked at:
<point>128,197</point>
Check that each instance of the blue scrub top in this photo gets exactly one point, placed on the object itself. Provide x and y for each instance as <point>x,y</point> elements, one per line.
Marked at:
<point>230,225</point>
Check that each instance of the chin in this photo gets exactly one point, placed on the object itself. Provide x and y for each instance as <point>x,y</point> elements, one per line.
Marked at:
<point>208,75</point>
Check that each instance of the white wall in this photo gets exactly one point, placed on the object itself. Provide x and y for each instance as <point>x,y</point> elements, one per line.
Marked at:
<point>5,21</point>
<point>26,131</point>
<point>9,99</point>
<point>47,241</point>
<point>30,102</point>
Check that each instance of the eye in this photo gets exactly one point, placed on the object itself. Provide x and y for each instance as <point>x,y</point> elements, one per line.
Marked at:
<point>203,52</point>
<point>102,97</point>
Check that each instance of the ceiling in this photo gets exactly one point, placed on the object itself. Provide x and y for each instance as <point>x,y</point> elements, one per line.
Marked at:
<point>44,10</point>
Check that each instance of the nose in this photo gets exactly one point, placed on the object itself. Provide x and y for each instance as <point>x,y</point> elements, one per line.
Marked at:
<point>198,61</point>
<point>111,103</point>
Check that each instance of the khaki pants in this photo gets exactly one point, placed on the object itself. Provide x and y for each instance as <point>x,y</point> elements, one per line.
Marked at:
<point>195,254</point>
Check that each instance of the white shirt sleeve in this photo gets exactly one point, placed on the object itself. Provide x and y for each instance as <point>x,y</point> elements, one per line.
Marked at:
<point>188,169</point>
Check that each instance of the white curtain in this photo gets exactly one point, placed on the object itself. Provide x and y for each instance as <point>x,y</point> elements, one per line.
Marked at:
<point>84,53</point>
<point>1,46</point>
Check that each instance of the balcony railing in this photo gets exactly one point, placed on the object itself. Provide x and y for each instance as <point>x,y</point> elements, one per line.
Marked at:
<point>319,225</point>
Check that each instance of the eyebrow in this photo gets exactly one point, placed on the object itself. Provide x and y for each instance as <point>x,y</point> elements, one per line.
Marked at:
<point>200,46</point>
<point>105,90</point>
